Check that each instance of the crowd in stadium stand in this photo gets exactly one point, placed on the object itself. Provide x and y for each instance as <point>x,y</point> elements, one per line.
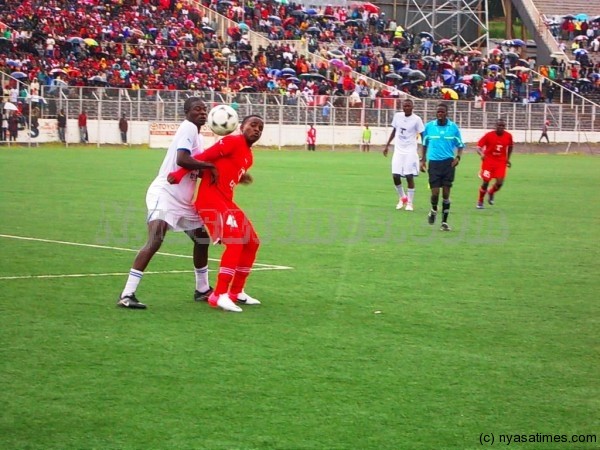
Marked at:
<point>168,44</point>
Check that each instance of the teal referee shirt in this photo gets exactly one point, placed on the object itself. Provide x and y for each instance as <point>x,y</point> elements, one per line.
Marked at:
<point>441,141</point>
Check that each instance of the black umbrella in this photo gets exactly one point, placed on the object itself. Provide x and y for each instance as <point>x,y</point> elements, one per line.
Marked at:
<point>312,76</point>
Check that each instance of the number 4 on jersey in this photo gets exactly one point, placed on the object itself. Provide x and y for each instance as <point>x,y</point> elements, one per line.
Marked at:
<point>231,221</point>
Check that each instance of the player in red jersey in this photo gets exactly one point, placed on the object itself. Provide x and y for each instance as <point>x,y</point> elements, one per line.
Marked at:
<point>495,148</point>
<point>225,221</point>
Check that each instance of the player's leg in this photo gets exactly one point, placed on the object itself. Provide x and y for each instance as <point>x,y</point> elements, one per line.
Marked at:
<point>157,229</point>
<point>495,188</point>
<point>200,254</point>
<point>499,172</point>
<point>410,193</point>
<point>397,167</point>
<point>447,180</point>
<point>244,267</point>
<point>402,198</point>
<point>222,225</point>
<point>445,208</point>
<point>410,171</point>
<point>485,175</point>
<point>435,183</point>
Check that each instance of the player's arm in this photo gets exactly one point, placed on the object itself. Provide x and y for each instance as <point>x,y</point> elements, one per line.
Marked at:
<point>207,157</point>
<point>509,152</point>
<point>188,163</point>
<point>459,148</point>
<point>424,157</point>
<point>391,138</point>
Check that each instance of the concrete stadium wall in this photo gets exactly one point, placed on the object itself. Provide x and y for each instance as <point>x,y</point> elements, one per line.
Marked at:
<point>107,133</point>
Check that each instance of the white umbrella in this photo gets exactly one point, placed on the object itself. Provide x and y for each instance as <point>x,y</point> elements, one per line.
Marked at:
<point>8,106</point>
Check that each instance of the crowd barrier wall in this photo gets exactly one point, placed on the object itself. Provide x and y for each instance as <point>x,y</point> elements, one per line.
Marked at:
<point>160,134</point>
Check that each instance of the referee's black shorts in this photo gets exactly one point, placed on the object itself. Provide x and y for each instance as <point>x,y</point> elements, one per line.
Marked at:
<point>441,173</point>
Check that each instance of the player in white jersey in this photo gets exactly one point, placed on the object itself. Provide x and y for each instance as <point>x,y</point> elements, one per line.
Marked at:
<point>406,128</point>
<point>170,206</point>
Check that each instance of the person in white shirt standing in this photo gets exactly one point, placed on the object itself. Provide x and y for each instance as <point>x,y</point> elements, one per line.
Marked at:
<point>406,128</point>
<point>170,206</point>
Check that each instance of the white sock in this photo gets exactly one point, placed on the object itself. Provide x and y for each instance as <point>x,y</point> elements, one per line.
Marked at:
<point>202,284</point>
<point>135,276</point>
<point>400,190</point>
<point>411,195</point>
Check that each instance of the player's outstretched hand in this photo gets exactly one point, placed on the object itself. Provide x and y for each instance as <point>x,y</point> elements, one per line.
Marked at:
<point>172,179</point>
<point>246,178</point>
<point>423,166</point>
<point>385,151</point>
<point>508,164</point>
<point>214,175</point>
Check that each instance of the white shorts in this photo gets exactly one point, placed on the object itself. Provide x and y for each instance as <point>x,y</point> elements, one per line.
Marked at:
<point>163,206</point>
<point>404,165</point>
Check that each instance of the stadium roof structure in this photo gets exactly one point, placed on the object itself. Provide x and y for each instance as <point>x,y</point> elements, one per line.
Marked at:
<point>464,22</point>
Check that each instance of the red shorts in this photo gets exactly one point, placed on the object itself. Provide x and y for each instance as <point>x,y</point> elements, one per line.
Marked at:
<point>224,221</point>
<point>492,168</point>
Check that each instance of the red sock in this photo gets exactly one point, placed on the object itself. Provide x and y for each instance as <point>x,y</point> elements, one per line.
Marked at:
<point>492,190</point>
<point>238,282</point>
<point>481,194</point>
<point>224,280</point>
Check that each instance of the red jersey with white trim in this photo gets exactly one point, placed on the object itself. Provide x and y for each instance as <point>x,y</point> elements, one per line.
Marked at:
<point>496,146</point>
<point>232,157</point>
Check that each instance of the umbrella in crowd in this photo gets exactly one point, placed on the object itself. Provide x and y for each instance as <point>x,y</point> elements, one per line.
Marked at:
<point>312,76</point>
<point>445,42</point>
<point>313,30</point>
<point>580,51</point>
<point>275,19</point>
<point>581,37</point>
<point>370,7</point>
<point>581,17</point>
<point>288,71</point>
<point>336,53</point>
<point>453,94</point>
<point>426,34</point>
<point>336,62</point>
<point>417,74</point>
<point>18,75</point>
<point>494,67</point>
<point>90,42</point>
<point>393,76</point>
<point>58,72</point>
<point>75,40</point>
<point>511,55</point>
<point>8,106</point>
<point>495,52</point>
<point>449,76</point>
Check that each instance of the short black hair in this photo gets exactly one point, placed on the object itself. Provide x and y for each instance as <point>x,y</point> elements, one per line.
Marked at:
<point>247,118</point>
<point>189,103</point>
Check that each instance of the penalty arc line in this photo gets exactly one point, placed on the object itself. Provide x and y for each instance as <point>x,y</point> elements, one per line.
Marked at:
<point>123,249</point>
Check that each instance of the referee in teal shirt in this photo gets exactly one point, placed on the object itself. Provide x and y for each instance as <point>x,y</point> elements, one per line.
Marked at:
<point>441,139</point>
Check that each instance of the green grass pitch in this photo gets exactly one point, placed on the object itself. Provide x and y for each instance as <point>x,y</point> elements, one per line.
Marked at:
<point>492,328</point>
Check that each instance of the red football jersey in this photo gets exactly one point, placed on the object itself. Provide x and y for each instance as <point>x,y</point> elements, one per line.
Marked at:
<point>232,157</point>
<point>495,146</point>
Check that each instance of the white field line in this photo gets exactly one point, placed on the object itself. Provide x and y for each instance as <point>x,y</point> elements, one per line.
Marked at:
<point>108,274</point>
<point>256,266</point>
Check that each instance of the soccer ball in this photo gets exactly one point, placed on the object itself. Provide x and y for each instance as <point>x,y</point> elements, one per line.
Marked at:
<point>222,119</point>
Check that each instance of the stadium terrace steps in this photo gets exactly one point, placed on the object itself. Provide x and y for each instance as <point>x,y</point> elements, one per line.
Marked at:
<point>564,7</point>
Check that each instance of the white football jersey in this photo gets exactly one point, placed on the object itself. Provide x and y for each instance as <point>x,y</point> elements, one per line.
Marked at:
<point>188,138</point>
<point>407,130</point>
